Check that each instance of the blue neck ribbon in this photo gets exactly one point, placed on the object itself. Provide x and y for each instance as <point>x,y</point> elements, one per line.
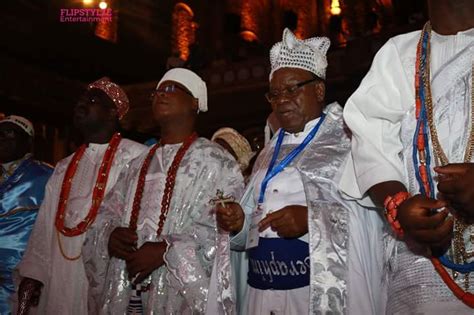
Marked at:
<point>274,170</point>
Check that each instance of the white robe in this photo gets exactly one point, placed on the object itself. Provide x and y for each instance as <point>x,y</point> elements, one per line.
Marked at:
<point>381,116</point>
<point>197,264</point>
<point>285,189</point>
<point>345,267</point>
<point>64,282</point>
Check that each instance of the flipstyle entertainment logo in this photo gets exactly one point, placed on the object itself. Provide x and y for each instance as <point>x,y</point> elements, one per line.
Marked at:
<point>85,15</point>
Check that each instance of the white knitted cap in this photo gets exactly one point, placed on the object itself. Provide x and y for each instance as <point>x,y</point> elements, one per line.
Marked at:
<point>239,144</point>
<point>308,54</point>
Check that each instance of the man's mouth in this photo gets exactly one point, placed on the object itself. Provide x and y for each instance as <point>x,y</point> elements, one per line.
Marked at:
<point>285,112</point>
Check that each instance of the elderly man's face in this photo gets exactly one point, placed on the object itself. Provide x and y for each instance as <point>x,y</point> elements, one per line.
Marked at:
<point>295,98</point>
<point>14,142</point>
<point>172,101</point>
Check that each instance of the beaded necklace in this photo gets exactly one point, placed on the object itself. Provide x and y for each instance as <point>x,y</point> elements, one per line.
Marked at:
<point>97,194</point>
<point>421,159</point>
<point>169,186</point>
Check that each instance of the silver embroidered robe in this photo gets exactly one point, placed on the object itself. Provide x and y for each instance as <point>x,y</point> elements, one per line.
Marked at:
<point>345,276</point>
<point>197,265</point>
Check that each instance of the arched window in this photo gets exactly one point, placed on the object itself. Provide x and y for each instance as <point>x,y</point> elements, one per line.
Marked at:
<point>183,30</point>
<point>106,27</point>
<point>251,11</point>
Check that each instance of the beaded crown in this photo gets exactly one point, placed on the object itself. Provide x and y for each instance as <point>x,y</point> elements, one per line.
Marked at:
<point>308,54</point>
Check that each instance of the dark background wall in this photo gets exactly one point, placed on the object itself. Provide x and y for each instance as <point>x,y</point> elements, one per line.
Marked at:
<point>45,64</point>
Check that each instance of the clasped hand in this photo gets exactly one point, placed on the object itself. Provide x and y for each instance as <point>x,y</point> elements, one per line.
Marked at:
<point>456,185</point>
<point>287,222</point>
<point>140,262</point>
<point>423,225</point>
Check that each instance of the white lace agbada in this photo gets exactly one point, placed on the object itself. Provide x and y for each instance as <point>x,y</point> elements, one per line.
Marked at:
<point>196,250</point>
<point>65,285</point>
<point>381,115</point>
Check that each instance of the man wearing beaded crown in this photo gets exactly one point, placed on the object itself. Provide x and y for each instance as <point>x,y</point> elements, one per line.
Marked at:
<point>167,255</point>
<point>53,265</point>
<point>22,185</point>
<point>411,120</point>
<point>302,239</point>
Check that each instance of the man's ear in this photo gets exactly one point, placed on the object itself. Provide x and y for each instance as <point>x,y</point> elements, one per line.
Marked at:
<point>195,105</point>
<point>320,88</point>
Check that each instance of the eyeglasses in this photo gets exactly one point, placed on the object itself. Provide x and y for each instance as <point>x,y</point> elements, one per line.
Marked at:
<point>273,96</point>
<point>170,88</point>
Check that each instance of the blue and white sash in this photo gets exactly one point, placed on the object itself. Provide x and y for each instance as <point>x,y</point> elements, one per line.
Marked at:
<point>279,264</point>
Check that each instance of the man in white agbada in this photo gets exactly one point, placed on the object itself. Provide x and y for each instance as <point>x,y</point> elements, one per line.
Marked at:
<point>164,240</point>
<point>309,250</point>
<point>52,267</point>
<point>389,159</point>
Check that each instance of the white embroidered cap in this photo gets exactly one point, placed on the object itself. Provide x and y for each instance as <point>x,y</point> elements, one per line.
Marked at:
<point>308,54</point>
<point>21,122</point>
<point>191,81</point>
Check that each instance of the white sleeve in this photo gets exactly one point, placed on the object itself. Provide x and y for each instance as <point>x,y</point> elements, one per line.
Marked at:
<point>247,202</point>
<point>190,254</point>
<point>36,261</point>
<point>374,114</point>
<point>366,285</point>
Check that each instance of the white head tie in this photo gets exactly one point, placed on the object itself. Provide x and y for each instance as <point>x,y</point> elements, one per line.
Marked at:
<point>308,54</point>
<point>191,81</point>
